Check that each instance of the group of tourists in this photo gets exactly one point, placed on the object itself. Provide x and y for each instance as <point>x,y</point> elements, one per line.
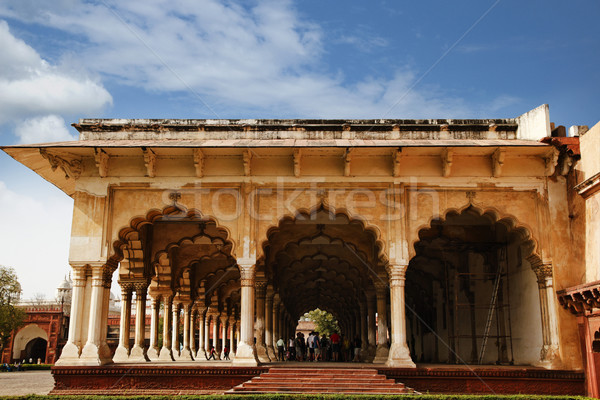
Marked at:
<point>336,347</point>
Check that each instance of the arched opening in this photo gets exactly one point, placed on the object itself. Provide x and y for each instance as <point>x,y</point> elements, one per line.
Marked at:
<point>26,343</point>
<point>327,260</point>
<point>36,350</point>
<point>471,294</point>
<point>183,261</point>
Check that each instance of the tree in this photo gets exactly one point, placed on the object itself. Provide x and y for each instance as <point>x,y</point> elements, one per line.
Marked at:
<point>325,322</point>
<point>10,292</point>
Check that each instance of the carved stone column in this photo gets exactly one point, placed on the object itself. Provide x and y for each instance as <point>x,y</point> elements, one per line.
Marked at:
<point>399,356</point>
<point>215,332</point>
<point>363,331</point>
<point>186,352</point>
<point>153,350</point>
<point>166,352</point>
<point>93,353</point>
<point>207,335</point>
<point>259,326</point>
<point>371,325</point>
<point>224,320</point>
<point>175,331</point>
<point>382,351</point>
<point>231,337</point>
<point>138,351</point>
<point>201,354</point>
<point>70,353</point>
<point>246,353</point>
<point>549,354</point>
<point>192,331</point>
<point>269,339</point>
<point>275,318</point>
<point>122,352</point>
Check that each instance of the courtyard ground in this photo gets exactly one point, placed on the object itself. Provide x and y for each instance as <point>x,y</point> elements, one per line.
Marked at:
<point>25,382</point>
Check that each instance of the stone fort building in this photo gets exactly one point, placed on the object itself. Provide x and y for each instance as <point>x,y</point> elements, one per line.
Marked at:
<point>435,241</point>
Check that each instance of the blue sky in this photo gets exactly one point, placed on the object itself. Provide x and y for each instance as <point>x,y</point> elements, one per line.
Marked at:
<point>69,59</point>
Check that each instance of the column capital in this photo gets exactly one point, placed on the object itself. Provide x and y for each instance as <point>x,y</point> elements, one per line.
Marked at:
<point>247,274</point>
<point>543,270</point>
<point>381,286</point>
<point>396,273</point>
<point>261,288</point>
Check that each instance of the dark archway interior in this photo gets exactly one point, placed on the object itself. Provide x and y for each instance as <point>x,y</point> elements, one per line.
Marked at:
<point>36,348</point>
<point>467,288</point>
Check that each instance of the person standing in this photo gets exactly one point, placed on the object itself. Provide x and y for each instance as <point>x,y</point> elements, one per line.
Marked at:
<point>280,349</point>
<point>357,346</point>
<point>335,346</point>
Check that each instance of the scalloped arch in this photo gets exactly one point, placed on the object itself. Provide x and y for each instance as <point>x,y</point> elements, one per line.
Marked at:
<point>172,213</point>
<point>493,215</point>
<point>331,210</point>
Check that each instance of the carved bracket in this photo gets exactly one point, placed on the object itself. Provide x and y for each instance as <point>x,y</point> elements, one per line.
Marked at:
<point>150,163</point>
<point>101,159</point>
<point>550,161</point>
<point>498,162</point>
<point>396,167</point>
<point>447,155</point>
<point>297,162</point>
<point>199,162</point>
<point>247,158</point>
<point>347,159</point>
<point>72,168</point>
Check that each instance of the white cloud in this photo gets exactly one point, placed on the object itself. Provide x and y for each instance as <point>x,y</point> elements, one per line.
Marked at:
<point>264,59</point>
<point>35,233</point>
<point>48,128</point>
<point>30,86</point>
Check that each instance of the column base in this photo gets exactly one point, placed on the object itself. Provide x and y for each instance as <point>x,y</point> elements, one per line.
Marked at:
<point>93,355</point>
<point>381,354</point>
<point>138,354</point>
<point>399,357</point>
<point>69,355</point>
<point>186,355</point>
<point>121,354</point>
<point>201,355</point>
<point>245,356</point>
<point>261,352</point>
<point>549,358</point>
<point>153,353</point>
<point>271,353</point>
<point>165,354</point>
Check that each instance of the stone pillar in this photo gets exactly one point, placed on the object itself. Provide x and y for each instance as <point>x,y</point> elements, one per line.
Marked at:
<point>231,337</point>
<point>363,331</point>
<point>371,325</point>
<point>207,335</point>
<point>224,320</point>
<point>70,353</point>
<point>276,325</point>
<point>193,349</point>
<point>138,351</point>
<point>269,337</point>
<point>166,352</point>
<point>93,353</point>
<point>186,353</point>
<point>399,355</point>
<point>246,353</point>
<point>549,354</point>
<point>215,338</point>
<point>153,350</point>
<point>175,331</point>
<point>201,354</point>
<point>259,326</point>
<point>382,351</point>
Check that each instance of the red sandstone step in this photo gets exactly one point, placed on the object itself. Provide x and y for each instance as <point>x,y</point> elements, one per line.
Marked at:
<point>321,380</point>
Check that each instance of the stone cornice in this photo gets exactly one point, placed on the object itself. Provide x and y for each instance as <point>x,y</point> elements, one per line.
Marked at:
<point>582,299</point>
<point>589,186</point>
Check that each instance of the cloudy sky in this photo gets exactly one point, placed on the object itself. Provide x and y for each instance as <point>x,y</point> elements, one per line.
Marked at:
<point>62,60</point>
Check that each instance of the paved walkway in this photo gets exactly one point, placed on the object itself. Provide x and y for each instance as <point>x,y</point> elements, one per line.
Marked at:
<point>25,382</point>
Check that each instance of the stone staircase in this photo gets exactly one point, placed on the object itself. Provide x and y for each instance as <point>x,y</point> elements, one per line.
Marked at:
<point>321,380</point>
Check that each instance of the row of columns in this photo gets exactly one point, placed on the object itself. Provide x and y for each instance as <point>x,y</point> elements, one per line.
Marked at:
<point>171,348</point>
<point>86,344</point>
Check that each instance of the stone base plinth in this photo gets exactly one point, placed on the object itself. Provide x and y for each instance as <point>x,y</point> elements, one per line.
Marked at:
<point>489,380</point>
<point>150,379</point>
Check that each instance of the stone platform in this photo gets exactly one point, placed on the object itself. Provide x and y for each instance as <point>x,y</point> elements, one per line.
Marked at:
<point>220,377</point>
